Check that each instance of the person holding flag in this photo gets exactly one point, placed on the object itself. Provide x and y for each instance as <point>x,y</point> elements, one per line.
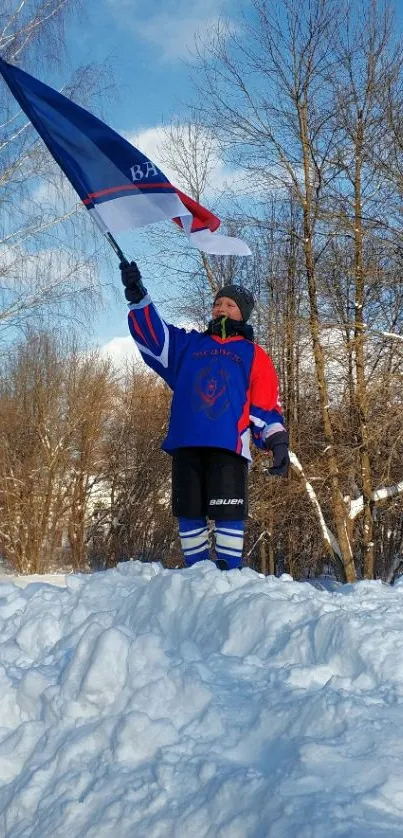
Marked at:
<point>225,391</point>
<point>224,385</point>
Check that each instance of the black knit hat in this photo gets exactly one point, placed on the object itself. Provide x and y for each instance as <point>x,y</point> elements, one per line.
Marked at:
<point>241,296</point>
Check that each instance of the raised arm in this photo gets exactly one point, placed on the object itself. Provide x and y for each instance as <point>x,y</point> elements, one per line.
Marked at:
<point>161,345</point>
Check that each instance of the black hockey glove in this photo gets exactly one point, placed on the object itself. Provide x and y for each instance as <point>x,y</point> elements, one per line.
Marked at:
<point>278,444</point>
<point>131,278</point>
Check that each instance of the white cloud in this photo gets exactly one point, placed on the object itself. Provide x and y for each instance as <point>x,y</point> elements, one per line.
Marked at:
<point>150,142</point>
<point>222,179</point>
<point>179,34</point>
<point>171,26</point>
<point>122,351</point>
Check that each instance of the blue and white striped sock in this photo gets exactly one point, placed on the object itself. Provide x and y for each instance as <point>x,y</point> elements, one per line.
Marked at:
<point>229,542</point>
<point>193,534</point>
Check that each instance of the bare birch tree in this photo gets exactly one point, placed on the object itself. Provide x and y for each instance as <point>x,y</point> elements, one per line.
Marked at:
<point>48,253</point>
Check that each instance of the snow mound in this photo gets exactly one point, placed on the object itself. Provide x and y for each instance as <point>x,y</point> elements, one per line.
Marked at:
<point>152,703</point>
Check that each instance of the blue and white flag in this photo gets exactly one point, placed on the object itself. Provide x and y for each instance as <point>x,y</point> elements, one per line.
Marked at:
<point>121,188</point>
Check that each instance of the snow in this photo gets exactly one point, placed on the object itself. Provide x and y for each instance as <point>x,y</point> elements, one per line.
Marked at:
<point>150,703</point>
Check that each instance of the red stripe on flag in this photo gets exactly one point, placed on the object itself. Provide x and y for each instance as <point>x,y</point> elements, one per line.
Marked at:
<point>126,187</point>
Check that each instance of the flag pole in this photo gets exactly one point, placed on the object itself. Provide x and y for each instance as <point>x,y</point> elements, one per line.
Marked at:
<point>113,243</point>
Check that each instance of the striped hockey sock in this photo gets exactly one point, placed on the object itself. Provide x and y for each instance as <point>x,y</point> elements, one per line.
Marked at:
<point>229,543</point>
<point>193,534</point>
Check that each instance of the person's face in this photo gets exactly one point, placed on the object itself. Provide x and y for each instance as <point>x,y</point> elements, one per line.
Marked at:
<point>225,307</point>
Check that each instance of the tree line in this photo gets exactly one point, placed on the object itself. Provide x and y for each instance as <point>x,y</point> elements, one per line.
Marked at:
<point>84,484</point>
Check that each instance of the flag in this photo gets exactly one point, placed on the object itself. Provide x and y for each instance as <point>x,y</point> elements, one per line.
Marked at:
<point>120,187</point>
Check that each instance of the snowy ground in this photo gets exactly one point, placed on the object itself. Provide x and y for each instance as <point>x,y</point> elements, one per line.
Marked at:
<point>146,703</point>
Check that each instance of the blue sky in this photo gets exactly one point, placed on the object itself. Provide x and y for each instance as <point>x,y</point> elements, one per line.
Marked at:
<point>147,44</point>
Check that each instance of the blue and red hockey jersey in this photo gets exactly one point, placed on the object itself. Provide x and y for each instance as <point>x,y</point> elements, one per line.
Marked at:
<point>224,390</point>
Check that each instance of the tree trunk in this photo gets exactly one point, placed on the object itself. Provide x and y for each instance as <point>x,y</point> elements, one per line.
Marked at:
<point>359,345</point>
<point>338,506</point>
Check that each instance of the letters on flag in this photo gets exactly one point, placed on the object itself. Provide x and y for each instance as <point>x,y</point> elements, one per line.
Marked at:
<point>121,188</point>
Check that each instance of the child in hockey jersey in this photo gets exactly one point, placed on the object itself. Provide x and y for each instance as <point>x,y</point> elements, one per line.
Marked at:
<point>225,391</point>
